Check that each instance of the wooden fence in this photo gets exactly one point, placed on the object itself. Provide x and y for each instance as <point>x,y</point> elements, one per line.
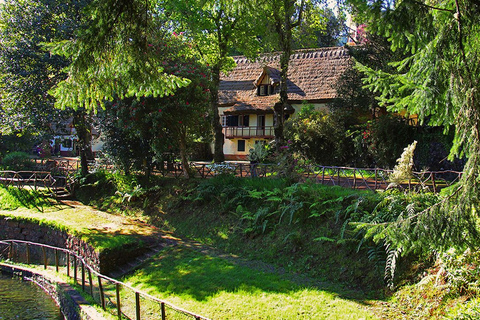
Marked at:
<point>348,177</point>
<point>53,181</point>
<point>356,178</point>
<point>115,297</point>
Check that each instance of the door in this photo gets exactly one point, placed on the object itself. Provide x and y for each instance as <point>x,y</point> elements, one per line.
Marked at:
<point>261,125</point>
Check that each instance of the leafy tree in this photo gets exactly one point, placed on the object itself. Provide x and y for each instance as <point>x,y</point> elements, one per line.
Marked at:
<point>323,29</point>
<point>28,71</point>
<point>437,80</point>
<point>140,131</point>
<point>216,28</point>
<point>282,19</point>
<point>113,55</point>
<point>318,137</point>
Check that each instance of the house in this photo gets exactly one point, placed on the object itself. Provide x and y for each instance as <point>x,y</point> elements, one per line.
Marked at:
<point>65,139</point>
<point>248,93</point>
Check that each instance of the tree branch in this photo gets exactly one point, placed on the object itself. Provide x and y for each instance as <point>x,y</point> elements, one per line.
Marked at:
<point>432,7</point>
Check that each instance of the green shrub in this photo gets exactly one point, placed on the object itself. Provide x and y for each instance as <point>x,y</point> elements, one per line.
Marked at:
<point>319,137</point>
<point>17,161</point>
<point>385,138</point>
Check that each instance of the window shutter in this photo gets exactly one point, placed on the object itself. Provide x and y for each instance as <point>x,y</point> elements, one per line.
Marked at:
<point>262,90</point>
<point>246,119</point>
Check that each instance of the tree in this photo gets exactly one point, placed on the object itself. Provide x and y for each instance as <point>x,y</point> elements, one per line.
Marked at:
<point>27,70</point>
<point>282,18</point>
<point>437,80</point>
<point>140,131</point>
<point>216,28</point>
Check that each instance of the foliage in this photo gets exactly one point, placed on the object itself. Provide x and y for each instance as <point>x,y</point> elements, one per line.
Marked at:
<point>17,161</point>
<point>462,271</point>
<point>140,131</point>
<point>318,137</point>
<point>27,70</point>
<point>260,153</point>
<point>383,146</point>
<point>437,80</point>
<point>112,56</point>
<point>403,169</point>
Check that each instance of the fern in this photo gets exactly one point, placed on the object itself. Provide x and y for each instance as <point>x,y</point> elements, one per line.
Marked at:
<point>391,264</point>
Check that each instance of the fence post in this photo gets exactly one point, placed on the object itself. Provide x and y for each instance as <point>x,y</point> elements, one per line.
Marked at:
<point>137,305</point>
<point>83,276</point>
<point>119,309</point>
<point>68,264</point>
<point>354,179</point>
<point>75,269</point>
<point>100,289</point>
<point>433,181</point>
<point>44,258</point>
<point>10,251</point>
<point>56,260</point>
<point>323,175</point>
<point>162,307</point>
<point>376,177</point>
<point>90,282</point>
<point>28,254</point>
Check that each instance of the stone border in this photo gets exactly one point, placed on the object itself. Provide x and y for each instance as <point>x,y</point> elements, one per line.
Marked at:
<point>104,262</point>
<point>72,305</point>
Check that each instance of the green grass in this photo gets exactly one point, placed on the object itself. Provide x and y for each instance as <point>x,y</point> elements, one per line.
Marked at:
<point>222,289</point>
<point>101,230</point>
<point>12,198</point>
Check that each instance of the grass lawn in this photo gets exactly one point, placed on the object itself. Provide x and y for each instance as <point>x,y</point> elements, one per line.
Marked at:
<point>100,229</point>
<point>222,289</point>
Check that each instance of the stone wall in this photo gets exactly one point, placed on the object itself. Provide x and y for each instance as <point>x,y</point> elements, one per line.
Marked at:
<point>17,229</point>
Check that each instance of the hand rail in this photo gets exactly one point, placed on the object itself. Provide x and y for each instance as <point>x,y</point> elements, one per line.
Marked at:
<point>16,253</point>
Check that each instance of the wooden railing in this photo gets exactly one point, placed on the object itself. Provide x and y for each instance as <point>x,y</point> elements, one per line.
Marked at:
<point>349,177</point>
<point>249,132</point>
<point>112,295</point>
<point>38,179</point>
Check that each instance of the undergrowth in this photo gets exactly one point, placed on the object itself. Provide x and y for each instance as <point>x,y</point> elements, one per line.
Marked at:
<point>329,233</point>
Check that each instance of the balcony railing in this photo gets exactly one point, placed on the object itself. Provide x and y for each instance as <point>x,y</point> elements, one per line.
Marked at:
<point>249,132</point>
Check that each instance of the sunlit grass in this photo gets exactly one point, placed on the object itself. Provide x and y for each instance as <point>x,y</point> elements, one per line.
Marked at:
<point>222,289</point>
<point>101,230</point>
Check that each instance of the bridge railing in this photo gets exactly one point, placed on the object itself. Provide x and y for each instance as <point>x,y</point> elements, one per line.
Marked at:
<point>115,297</point>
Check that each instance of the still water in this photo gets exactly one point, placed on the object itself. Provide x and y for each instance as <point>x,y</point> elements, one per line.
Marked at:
<point>24,300</point>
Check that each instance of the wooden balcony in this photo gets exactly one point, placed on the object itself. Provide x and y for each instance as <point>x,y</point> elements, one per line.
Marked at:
<point>265,132</point>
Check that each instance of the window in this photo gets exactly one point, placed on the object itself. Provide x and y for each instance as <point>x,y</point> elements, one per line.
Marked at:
<point>235,121</point>
<point>67,143</point>
<point>243,120</point>
<point>241,145</point>
<point>265,90</point>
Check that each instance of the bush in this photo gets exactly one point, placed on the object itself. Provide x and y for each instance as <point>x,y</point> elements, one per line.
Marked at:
<point>319,137</point>
<point>17,161</point>
<point>385,138</point>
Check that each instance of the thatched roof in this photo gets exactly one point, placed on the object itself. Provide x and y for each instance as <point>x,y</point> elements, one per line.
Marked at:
<point>311,77</point>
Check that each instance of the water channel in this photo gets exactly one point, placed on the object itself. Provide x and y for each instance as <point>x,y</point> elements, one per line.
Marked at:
<point>24,300</point>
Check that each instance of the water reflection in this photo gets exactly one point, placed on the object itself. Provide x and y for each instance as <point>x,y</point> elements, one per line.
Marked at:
<point>23,300</point>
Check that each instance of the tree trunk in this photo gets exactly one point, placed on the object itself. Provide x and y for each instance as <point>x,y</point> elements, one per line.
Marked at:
<point>283,27</point>
<point>82,125</point>
<point>218,155</point>
<point>183,154</point>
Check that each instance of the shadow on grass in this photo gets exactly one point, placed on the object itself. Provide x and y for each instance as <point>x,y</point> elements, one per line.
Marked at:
<point>185,272</point>
<point>16,197</point>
